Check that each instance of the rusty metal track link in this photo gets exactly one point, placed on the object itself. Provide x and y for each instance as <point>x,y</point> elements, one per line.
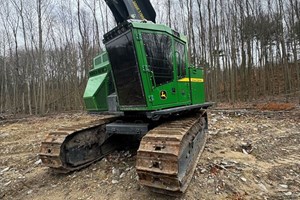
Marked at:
<point>75,147</point>
<point>169,153</point>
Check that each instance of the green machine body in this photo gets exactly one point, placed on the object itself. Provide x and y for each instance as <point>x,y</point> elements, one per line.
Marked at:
<point>147,69</point>
<point>150,67</point>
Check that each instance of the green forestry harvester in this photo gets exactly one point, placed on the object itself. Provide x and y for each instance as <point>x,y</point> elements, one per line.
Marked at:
<point>144,80</point>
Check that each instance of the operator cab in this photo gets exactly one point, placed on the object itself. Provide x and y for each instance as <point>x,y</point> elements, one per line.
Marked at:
<point>150,67</point>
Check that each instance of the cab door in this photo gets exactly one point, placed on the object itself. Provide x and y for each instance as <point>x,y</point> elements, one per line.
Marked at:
<point>158,51</point>
<point>184,84</point>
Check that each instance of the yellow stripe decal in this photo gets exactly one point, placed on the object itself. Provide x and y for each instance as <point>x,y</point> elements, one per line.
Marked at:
<point>194,80</point>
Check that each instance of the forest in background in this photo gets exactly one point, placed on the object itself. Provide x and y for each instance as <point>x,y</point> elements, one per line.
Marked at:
<point>249,48</point>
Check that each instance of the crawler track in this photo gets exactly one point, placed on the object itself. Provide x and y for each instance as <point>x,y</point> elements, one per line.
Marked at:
<point>73,148</point>
<point>166,159</point>
<point>169,153</point>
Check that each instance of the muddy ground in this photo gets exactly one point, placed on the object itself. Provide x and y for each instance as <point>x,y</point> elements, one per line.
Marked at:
<point>250,154</point>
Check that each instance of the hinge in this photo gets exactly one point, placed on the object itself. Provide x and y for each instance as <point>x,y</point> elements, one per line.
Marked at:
<point>139,37</point>
<point>146,68</point>
<point>151,98</point>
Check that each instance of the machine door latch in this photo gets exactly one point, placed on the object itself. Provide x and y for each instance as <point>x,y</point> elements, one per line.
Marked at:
<point>146,68</point>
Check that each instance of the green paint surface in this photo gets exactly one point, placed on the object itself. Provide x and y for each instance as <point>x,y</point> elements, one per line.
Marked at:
<point>173,93</point>
<point>97,89</point>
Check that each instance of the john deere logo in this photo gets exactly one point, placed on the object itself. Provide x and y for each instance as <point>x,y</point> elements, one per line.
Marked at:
<point>163,94</point>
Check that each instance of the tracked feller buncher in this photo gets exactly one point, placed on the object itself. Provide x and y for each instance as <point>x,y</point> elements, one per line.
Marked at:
<point>146,84</point>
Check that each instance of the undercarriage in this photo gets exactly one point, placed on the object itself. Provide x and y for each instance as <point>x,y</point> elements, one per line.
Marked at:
<point>166,159</point>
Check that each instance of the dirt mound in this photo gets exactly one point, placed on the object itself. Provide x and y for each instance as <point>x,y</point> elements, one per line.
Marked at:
<point>273,106</point>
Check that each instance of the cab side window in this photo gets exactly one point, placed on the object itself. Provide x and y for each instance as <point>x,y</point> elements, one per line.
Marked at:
<point>180,59</point>
<point>158,48</point>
